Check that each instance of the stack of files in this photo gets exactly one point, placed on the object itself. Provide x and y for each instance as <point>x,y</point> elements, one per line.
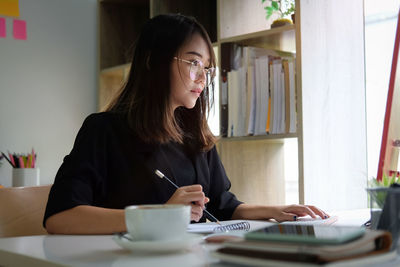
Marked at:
<point>282,114</point>
<point>261,92</point>
<point>372,247</point>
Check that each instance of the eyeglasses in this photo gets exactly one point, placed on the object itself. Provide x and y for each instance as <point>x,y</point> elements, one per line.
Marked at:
<point>197,70</point>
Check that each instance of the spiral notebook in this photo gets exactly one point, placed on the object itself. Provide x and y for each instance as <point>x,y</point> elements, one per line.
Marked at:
<point>240,225</point>
<point>211,227</point>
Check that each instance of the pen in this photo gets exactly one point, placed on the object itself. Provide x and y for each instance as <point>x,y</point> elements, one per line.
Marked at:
<point>33,158</point>
<point>9,161</point>
<point>208,215</point>
<point>21,162</point>
<point>12,159</point>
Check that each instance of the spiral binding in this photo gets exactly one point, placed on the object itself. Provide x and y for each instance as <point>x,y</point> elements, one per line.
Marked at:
<point>233,227</point>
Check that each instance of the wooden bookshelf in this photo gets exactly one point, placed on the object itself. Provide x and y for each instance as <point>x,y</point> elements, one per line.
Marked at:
<point>254,164</point>
<point>270,137</point>
<point>275,38</point>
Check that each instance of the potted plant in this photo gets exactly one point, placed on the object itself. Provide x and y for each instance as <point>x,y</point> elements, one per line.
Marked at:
<point>377,195</point>
<point>283,9</point>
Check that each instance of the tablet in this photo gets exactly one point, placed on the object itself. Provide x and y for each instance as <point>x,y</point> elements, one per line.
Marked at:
<point>310,234</point>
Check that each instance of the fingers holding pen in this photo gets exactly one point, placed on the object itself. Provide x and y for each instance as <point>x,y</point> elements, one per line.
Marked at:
<point>192,195</point>
<point>195,194</point>
<point>188,195</point>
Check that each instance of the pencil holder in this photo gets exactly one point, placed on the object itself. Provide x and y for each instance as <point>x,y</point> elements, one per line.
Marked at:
<point>25,177</point>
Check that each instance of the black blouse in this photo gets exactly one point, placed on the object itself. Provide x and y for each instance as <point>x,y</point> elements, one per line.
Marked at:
<point>110,167</point>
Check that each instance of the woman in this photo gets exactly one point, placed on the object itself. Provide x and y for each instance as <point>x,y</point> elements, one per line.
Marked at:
<point>158,121</point>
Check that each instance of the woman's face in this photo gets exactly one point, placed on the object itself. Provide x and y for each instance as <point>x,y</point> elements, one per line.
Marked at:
<point>186,87</point>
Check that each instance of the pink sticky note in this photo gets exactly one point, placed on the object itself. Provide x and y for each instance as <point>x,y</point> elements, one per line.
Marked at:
<point>19,29</point>
<point>3,32</point>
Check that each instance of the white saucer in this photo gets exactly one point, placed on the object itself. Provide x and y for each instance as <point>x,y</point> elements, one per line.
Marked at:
<point>157,246</point>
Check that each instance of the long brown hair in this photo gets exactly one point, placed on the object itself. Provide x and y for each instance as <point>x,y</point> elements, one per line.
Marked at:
<point>145,99</point>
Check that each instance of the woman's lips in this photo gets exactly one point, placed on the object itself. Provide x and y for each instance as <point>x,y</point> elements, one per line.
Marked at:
<point>196,91</point>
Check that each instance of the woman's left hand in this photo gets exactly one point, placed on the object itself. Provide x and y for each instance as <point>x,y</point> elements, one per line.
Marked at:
<point>292,212</point>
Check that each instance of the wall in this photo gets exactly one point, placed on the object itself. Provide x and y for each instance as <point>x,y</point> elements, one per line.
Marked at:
<point>232,25</point>
<point>47,83</point>
<point>333,103</point>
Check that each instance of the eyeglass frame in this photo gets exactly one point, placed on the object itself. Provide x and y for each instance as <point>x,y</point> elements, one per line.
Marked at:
<point>206,71</point>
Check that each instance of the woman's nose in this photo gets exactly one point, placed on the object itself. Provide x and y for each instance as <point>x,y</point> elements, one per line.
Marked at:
<point>201,77</point>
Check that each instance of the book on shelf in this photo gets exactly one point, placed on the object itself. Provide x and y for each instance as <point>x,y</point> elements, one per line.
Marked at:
<point>251,100</point>
<point>224,107</point>
<point>292,96</point>
<point>261,92</point>
<point>267,127</point>
<point>285,65</point>
<point>372,243</point>
<point>237,102</point>
<point>275,70</point>
<point>225,68</point>
<point>232,86</point>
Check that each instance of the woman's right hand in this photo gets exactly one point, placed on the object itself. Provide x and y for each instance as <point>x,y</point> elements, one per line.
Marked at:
<point>192,195</point>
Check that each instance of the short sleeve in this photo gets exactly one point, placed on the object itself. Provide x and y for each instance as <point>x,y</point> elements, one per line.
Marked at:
<point>222,202</point>
<point>82,171</point>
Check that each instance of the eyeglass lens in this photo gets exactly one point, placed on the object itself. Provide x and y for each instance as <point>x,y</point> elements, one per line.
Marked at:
<point>197,72</point>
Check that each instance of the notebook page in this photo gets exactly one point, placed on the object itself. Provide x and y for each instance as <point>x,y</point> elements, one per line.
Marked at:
<point>208,227</point>
<point>202,228</point>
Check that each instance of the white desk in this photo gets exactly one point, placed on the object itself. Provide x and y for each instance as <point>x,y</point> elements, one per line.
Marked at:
<point>96,250</point>
<point>93,251</point>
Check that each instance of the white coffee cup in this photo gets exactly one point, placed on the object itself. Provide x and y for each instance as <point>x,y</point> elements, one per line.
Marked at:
<point>157,222</point>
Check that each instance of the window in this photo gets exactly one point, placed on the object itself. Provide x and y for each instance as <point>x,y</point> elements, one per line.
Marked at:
<point>380,30</point>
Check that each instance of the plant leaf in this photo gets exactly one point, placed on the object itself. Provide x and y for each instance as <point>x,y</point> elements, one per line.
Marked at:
<point>275,5</point>
<point>269,13</point>
<point>385,180</point>
<point>262,1</point>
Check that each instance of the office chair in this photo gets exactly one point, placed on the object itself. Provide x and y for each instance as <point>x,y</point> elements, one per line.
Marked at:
<point>22,210</point>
